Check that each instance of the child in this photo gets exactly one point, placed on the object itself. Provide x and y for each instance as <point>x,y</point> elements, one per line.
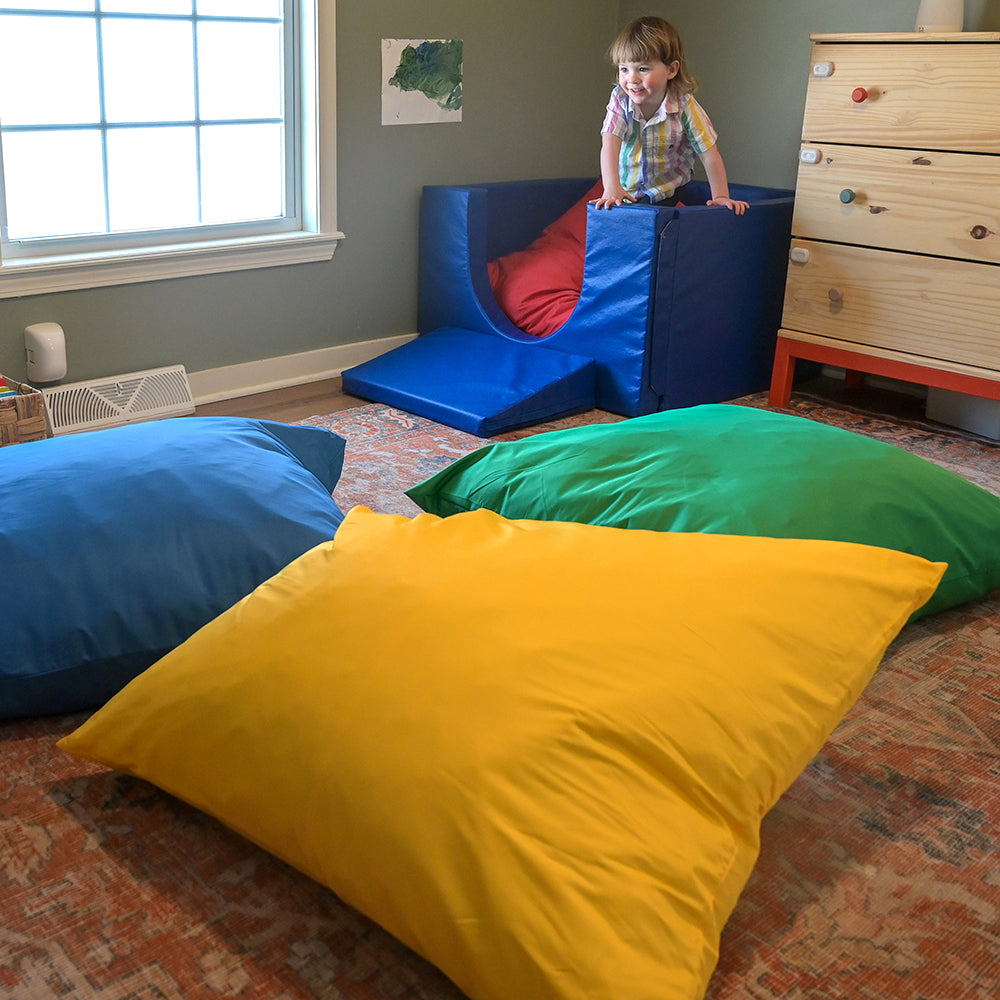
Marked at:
<point>654,128</point>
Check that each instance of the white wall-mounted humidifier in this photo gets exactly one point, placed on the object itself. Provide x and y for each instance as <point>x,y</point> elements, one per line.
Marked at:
<point>45,350</point>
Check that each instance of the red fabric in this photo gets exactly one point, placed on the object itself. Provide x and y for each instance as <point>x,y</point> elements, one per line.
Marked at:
<point>538,287</point>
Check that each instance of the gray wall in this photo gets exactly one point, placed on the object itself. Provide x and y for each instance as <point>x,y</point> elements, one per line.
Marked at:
<point>536,85</point>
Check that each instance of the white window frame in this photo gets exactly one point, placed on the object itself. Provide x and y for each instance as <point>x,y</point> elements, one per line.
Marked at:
<point>316,240</point>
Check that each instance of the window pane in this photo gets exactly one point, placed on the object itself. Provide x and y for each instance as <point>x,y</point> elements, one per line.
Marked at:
<point>54,183</point>
<point>146,6</point>
<point>149,71</point>
<point>51,5</point>
<point>239,70</point>
<point>152,178</point>
<point>242,168</point>
<point>240,8</point>
<point>63,88</point>
<point>108,146</point>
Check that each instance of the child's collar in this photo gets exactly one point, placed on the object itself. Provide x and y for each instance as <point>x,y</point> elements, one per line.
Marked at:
<point>670,105</point>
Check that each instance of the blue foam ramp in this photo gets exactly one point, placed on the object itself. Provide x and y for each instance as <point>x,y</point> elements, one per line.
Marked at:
<point>476,382</point>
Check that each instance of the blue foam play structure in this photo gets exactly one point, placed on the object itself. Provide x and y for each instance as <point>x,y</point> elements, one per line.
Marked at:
<point>680,306</point>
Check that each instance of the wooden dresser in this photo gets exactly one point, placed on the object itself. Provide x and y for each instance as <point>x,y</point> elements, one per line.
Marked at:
<point>894,265</point>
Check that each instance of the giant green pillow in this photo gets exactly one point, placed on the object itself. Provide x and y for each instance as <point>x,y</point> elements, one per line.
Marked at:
<point>736,470</point>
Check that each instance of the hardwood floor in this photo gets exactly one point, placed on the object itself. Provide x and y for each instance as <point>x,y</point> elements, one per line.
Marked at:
<point>295,402</point>
<point>326,396</point>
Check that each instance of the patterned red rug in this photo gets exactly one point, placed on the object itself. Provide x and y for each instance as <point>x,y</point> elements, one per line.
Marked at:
<point>389,450</point>
<point>879,875</point>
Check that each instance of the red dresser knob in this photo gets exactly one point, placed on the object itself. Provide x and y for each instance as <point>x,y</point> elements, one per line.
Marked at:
<point>859,95</point>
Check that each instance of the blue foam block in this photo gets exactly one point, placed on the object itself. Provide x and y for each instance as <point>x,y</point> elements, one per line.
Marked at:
<point>477,382</point>
<point>679,305</point>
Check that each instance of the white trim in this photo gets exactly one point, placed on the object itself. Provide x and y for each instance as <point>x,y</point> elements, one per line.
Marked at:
<point>41,276</point>
<point>213,384</point>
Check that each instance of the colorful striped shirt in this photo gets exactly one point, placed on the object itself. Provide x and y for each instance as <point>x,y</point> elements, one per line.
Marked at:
<point>657,156</point>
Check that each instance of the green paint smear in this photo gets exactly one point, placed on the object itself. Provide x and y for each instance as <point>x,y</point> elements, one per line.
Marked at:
<point>434,69</point>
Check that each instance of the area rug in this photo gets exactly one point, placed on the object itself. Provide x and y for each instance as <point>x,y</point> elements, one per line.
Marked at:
<point>879,876</point>
<point>390,450</point>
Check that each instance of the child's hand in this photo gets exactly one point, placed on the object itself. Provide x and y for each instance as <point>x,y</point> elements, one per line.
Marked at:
<point>612,197</point>
<point>739,207</point>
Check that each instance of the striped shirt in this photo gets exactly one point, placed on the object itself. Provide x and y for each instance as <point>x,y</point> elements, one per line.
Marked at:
<point>658,156</point>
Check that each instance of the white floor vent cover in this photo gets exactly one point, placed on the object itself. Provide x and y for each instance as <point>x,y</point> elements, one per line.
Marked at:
<point>120,399</point>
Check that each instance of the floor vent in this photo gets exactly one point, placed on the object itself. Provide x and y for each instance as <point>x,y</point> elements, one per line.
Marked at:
<point>120,399</point>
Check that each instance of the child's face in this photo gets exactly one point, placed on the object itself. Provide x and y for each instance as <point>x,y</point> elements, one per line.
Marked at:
<point>646,82</point>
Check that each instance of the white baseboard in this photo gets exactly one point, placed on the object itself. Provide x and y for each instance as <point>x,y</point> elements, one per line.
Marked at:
<point>233,381</point>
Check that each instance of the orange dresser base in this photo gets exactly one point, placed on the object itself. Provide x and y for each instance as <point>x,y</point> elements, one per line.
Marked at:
<point>858,365</point>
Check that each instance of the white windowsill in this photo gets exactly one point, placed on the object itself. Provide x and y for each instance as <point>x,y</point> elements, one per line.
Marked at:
<point>41,275</point>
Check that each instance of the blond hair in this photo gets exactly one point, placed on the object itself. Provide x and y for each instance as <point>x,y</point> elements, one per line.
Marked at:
<point>650,38</point>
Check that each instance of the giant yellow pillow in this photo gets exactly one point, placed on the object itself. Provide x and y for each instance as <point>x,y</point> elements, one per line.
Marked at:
<point>550,800</point>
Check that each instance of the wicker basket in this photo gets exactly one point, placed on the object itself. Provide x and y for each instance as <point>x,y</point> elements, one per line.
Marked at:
<point>22,417</point>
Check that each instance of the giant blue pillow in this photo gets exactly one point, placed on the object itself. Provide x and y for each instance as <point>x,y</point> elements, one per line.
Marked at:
<point>117,545</point>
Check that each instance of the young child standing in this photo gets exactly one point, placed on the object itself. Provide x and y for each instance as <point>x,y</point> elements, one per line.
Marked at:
<point>654,128</point>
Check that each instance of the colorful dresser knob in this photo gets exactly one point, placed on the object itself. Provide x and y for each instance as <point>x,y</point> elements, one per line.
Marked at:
<point>847,196</point>
<point>835,295</point>
<point>859,95</point>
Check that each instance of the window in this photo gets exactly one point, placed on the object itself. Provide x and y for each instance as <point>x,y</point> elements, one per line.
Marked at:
<point>142,139</point>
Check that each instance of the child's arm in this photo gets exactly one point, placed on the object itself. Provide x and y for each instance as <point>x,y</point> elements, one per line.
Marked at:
<point>715,169</point>
<point>614,193</point>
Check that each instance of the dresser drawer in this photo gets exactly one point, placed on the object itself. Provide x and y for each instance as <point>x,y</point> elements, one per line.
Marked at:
<point>923,201</point>
<point>932,308</point>
<point>920,95</point>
